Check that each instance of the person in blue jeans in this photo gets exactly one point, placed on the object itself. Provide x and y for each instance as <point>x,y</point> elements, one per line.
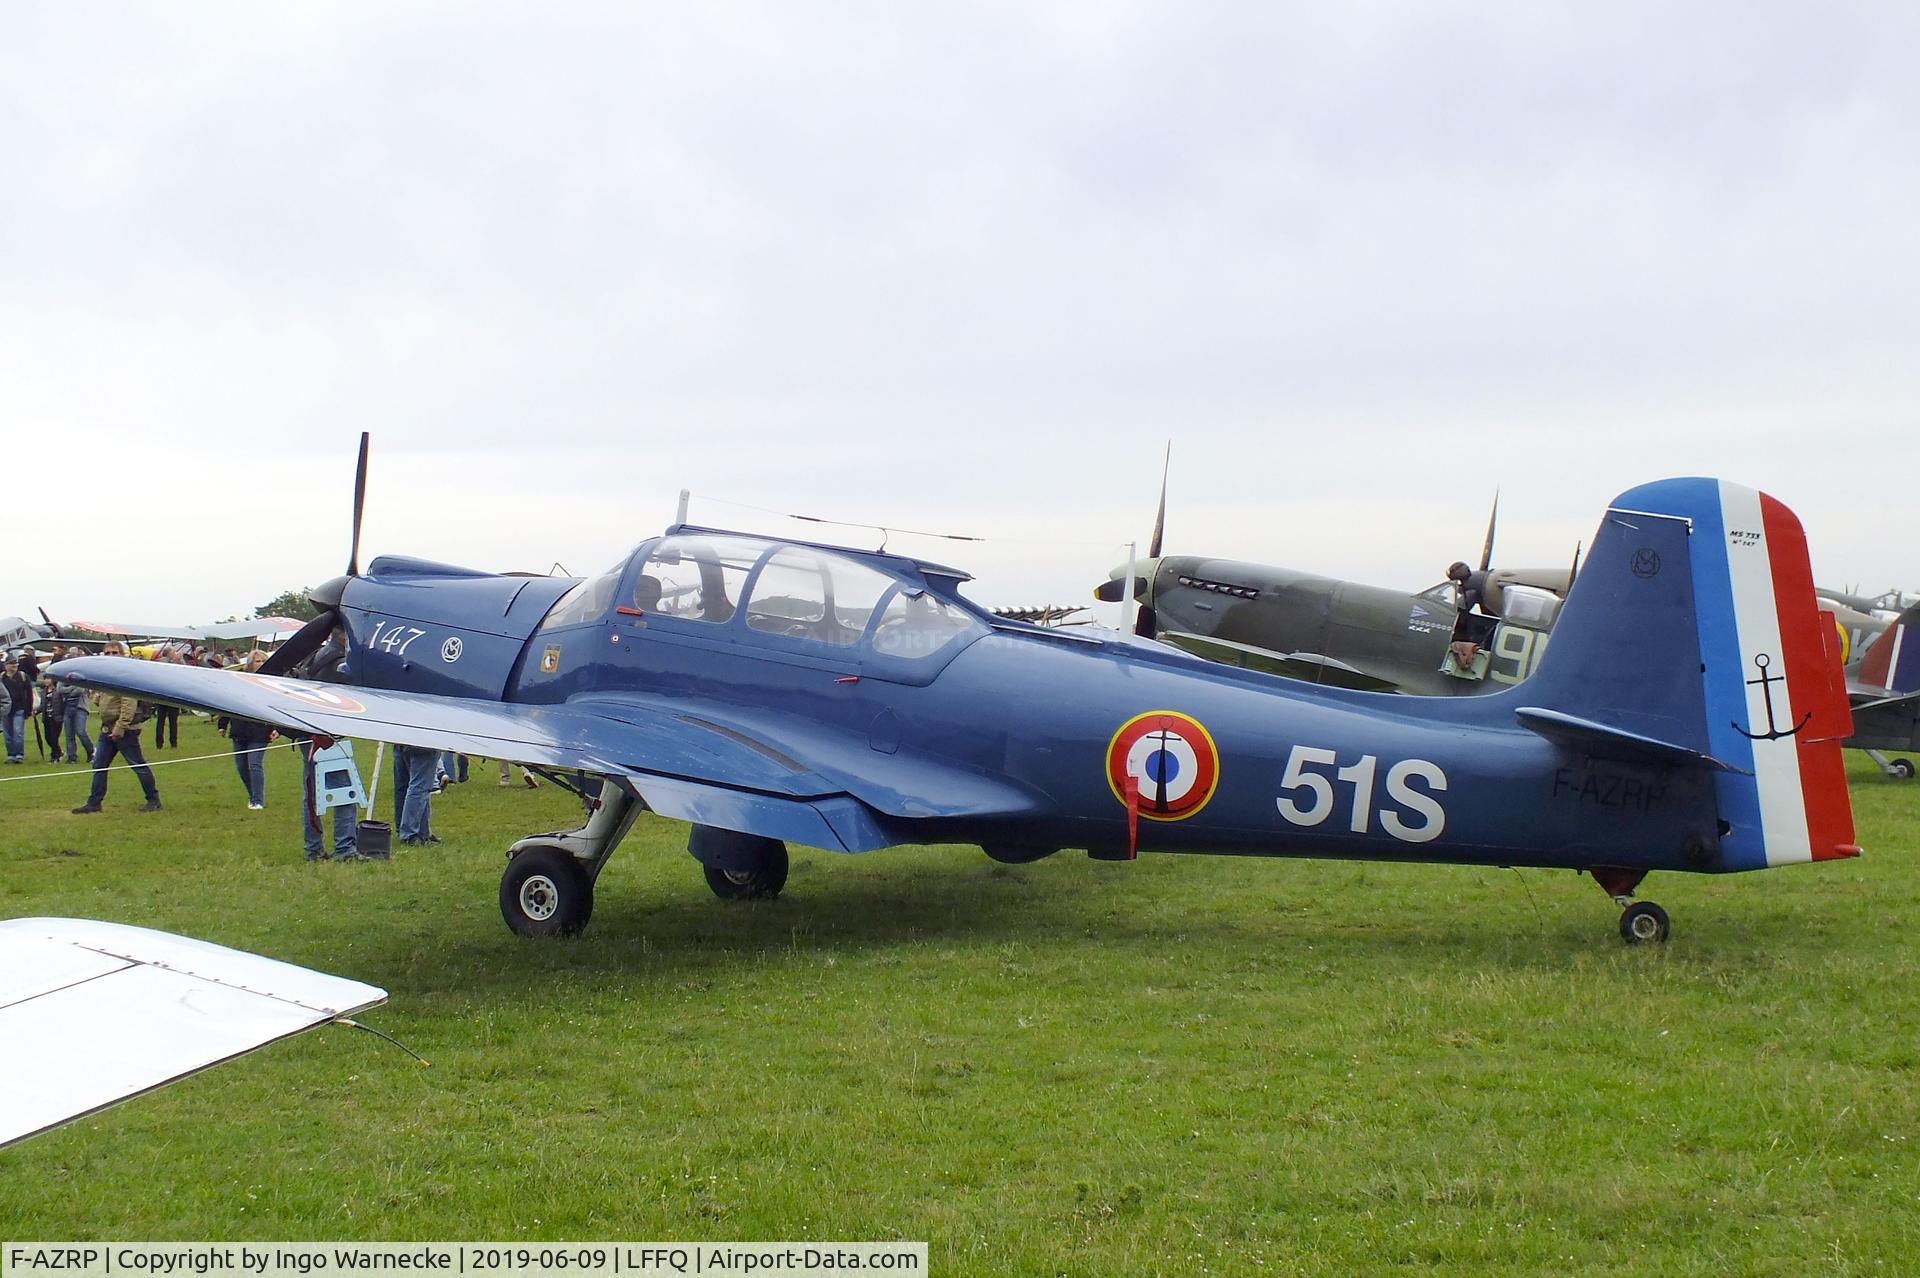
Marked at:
<point>74,724</point>
<point>119,735</point>
<point>415,772</point>
<point>249,740</point>
<point>346,820</point>
<point>19,689</point>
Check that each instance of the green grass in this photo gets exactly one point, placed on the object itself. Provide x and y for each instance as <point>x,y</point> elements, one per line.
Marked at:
<point>1180,1065</point>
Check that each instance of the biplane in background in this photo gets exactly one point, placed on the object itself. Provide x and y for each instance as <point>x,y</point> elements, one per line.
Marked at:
<point>18,632</point>
<point>1687,717</point>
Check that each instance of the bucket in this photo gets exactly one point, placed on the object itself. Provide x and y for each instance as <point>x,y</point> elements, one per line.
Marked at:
<point>375,839</point>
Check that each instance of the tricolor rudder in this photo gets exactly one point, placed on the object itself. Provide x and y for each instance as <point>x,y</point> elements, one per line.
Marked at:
<point>1776,703</point>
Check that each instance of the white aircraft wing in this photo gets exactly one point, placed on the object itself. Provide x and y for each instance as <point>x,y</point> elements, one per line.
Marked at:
<point>252,628</point>
<point>93,1013</point>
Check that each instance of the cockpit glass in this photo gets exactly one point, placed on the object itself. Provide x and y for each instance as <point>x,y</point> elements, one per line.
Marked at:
<point>587,601</point>
<point>695,578</point>
<point>810,594</point>
<point>915,625</point>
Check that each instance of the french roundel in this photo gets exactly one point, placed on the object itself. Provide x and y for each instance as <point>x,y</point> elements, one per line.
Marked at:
<point>1172,761</point>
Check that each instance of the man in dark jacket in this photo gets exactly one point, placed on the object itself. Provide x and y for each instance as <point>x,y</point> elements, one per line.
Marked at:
<point>53,709</point>
<point>19,708</point>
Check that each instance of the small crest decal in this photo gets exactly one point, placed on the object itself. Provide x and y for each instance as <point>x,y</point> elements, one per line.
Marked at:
<point>550,660</point>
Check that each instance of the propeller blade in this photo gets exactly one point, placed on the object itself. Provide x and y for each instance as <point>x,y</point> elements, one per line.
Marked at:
<point>1486,552</point>
<point>51,624</point>
<point>1145,624</point>
<point>1575,570</point>
<point>301,645</point>
<point>359,505</point>
<point>1160,516</point>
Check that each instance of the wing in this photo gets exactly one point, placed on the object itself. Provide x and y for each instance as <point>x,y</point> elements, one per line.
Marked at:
<point>1311,667</point>
<point>754,771</point>
<point>94,1013</point>
<point>253,628</point>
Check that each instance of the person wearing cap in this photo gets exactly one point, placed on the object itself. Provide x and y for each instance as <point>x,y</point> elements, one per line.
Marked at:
<point>19,707</point>
<point>1470,631</point>
<point>119,735</point>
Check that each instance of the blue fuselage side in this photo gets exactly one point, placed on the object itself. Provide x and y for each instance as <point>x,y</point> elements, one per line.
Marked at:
<point>1287,768</point>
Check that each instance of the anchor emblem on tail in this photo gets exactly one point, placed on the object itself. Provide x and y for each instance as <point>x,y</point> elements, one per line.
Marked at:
<point>1766,681</point>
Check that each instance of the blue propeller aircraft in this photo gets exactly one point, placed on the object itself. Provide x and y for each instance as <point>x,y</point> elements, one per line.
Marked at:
<point>1687,717</point>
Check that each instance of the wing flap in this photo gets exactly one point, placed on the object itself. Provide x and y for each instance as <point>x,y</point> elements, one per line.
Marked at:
<point>94,1013</point>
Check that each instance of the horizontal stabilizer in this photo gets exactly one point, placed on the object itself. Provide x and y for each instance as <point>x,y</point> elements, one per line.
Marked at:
<point>93,1013</point>
<point>1612,742</point>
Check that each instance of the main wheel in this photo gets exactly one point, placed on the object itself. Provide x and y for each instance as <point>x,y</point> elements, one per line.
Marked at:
<point>545,892</point>
<point>1643,922</point>
<point>1903,768</point>
<point>765,879</point>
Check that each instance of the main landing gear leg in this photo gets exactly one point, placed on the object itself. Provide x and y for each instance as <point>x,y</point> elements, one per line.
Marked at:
<point>547,889</point>
<point>1641,922</point>
<point>1899,769</point>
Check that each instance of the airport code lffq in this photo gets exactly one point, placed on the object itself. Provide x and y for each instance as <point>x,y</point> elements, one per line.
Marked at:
<point>493,1260</point>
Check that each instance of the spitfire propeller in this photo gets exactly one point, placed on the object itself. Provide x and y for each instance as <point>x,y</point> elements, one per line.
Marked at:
<point>306,640</point>
<point>1117,587</point>
<point>1145,623</point>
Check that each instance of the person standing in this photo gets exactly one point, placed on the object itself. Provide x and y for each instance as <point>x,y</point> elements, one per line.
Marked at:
<point>19,690</point>
<point>166,718</point>
<point>53,703</point>
<point>323,666</point>
<point>415,771</point>
<point>249,739</point>
<point>119,735</point>
<point>73,718</point>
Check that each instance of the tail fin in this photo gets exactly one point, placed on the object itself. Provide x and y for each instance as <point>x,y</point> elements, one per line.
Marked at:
<point>1692,634</point>
<point>1890,666</point>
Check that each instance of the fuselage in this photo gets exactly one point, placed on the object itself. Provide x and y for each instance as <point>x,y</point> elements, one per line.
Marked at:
<point>1221,760</point>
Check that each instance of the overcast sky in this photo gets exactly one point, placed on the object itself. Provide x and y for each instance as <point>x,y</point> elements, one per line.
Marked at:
<point>959,267</point>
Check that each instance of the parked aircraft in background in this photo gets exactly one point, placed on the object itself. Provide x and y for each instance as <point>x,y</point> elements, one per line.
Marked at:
<point>1884,684</point>
<point>1340,633</point>
<point>1886,605</point>
<point>272,629</point>
<point>1687,717</point>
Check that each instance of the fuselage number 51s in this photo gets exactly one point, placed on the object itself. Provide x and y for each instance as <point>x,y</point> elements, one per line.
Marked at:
<point>1416,817</point>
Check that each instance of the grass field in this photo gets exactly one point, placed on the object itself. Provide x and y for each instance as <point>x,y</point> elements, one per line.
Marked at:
<point>1182,1065</point>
